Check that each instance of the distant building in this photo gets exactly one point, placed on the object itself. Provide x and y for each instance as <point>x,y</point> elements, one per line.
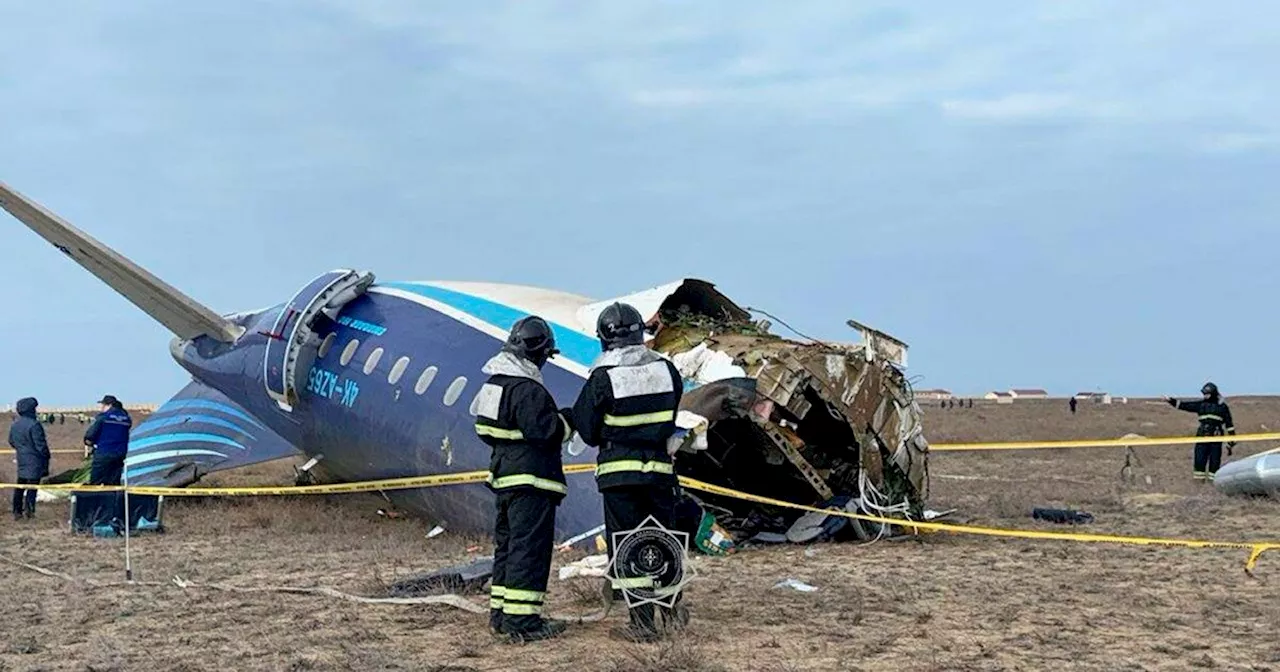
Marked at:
<point>93,410</point>
<point>1028,394</point>
<point>1095,397</point>
<point>999,397</point>
<point>935,395</point>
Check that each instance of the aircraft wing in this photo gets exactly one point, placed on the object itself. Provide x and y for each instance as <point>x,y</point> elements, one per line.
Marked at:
<point>179,313</point>
<point>195,433</point>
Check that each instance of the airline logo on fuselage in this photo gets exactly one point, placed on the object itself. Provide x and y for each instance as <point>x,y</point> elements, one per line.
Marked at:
<point>361,325</point>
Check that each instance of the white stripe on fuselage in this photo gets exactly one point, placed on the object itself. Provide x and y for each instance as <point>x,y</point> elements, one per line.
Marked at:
<point>476,323</point>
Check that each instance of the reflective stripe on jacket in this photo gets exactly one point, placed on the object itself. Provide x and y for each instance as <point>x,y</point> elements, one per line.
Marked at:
<point>517,417</point>
<point>627,408</point>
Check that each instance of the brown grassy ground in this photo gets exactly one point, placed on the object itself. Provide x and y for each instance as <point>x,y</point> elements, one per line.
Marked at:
<point>942,603</point>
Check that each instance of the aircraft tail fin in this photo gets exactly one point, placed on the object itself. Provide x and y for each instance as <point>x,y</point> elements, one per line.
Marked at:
<point>197,432</point>
<point>179,313</point>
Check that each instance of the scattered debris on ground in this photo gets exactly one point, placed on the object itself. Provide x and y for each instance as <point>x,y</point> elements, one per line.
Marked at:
<point>795,584</point>
<point>469,579</point>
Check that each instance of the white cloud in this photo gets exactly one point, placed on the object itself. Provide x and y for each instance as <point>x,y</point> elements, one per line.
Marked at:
<point>1169,65</point>
<point>1030,106</point>
<point>1231,143</point>
<point>673,97</point>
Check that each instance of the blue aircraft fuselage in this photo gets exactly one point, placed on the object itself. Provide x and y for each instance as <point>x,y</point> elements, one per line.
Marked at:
<point>389,395</point>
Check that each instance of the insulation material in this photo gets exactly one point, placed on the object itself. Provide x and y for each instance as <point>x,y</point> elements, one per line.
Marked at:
<point>703,365</point>
<point>691,433</point>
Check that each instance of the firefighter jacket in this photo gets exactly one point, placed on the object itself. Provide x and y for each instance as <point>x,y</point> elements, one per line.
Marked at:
<point>517,417</point>
<point>627,408</point>
<point>1215,417</point>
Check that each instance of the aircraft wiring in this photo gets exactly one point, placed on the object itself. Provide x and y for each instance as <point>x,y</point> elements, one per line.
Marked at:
<point>779,320</point>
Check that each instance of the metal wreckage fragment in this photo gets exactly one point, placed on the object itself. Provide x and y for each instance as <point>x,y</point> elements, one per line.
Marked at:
<point>823,424</point>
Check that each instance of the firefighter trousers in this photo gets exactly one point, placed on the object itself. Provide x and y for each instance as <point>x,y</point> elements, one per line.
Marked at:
<point>625,508</point>
<point>1208,458</point>
<point>524,533</point>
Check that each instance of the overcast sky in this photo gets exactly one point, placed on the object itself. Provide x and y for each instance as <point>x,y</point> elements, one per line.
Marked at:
<point>1032,194</point>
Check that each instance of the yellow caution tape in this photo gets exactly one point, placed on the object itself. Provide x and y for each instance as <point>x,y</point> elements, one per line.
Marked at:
<point>458,478</point>
<point>1020,445</point>
<point>1090,443</point>
<point>325,489</point>
<point>60,451</point>
<point>1256,549</point>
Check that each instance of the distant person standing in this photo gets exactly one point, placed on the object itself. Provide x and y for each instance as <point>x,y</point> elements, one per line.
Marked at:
<point>1072,404</point>
<point>1215,420</point>
<point>108,436</point>
<point>27,438</point>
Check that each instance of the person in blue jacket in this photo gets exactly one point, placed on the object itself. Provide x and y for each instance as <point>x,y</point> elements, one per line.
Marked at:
<point>27,438</point>
<point>108,436</point>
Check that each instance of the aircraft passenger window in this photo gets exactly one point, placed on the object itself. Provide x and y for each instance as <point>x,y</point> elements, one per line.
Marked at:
<point>424,381</point>
<point>455,390</point>
<point>327,344</point>
<point>349,352</point>
<point>397,370</point>
<point>372,363</point>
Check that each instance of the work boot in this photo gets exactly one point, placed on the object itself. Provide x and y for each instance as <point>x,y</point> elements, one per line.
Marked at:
<point>544,630</point>
<point>676,618</point>
<point>642,627</point>
<point>495,621</point>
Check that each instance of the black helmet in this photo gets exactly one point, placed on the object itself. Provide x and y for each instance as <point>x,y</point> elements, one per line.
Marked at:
<point>619,325</point>
<point>1209,389</point>
<point>531,338</point>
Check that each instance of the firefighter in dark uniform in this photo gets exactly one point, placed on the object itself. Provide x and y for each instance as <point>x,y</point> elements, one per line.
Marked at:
<point>627,409</point>
<point>518,418</point>
<point>1215,420</point>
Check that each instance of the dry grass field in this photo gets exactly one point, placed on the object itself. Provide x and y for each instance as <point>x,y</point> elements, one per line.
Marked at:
<point>943,602</point>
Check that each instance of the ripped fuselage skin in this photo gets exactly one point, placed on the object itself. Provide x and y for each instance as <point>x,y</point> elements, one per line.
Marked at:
<point>801,421</point>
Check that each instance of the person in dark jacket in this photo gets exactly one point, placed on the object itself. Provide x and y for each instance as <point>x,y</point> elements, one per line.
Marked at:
<point>108,437</point>
<point>1215,420</point>
<point>517,417</point>
<point>627,408</point>
<point>27,438</point>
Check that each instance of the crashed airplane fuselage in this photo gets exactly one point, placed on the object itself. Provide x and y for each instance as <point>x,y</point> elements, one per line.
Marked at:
<point>377,380</point>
